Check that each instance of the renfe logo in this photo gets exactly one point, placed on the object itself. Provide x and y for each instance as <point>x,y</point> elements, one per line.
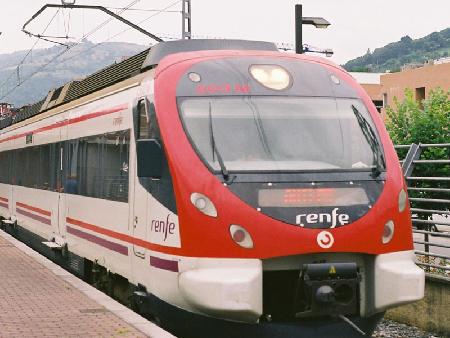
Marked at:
<point>163,227</point>
<point>334,218</point>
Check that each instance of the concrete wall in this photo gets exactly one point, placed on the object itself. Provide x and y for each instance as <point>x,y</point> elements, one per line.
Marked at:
<point>430,314</point>
<point>392,85</point>
<point>428,77</point>
<point>374,91</point>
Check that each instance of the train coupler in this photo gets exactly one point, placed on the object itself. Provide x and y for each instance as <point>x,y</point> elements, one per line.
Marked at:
<point>327,289</point>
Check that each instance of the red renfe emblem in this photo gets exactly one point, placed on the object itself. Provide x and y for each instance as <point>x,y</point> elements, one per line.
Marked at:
<point>325,239</point>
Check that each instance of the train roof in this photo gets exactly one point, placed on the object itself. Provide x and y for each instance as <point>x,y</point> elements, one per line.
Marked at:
<point>128,68</point>
<point>171,47</point>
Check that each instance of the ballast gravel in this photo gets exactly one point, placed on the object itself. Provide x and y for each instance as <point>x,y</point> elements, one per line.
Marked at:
<point>390,329</point>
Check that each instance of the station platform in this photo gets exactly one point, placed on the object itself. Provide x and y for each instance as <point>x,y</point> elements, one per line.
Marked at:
<point>40,299</point>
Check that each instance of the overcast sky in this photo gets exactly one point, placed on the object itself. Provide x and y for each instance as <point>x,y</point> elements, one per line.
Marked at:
<point>356,25</point>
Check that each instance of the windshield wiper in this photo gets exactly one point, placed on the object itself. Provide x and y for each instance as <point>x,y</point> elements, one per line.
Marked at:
<point>223,169</point>
<point>371,138</point>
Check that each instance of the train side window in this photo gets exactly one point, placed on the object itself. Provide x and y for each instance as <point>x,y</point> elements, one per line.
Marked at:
<point>4,167</point>
<point>94,166</point>
<point>19,160</point>
<point>70,175</point>
<point>98,166</point>
<point>143,120</point>
<point>45,168</point>
<point>32,170</point>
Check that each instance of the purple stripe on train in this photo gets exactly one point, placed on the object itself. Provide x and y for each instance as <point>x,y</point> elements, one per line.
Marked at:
<point>98,240</point>
<point>33,216</point>
<point>164,264</point>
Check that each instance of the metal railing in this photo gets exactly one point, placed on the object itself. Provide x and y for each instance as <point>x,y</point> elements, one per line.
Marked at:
<point>430,205</point>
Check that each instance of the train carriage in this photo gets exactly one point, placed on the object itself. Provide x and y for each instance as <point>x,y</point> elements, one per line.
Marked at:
<point>240,190</point>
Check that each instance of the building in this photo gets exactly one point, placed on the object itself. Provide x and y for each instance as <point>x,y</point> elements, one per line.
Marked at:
<point>372,84</point>
<point>385,87</point>
<point>5,109</point>
<point>421,81</point>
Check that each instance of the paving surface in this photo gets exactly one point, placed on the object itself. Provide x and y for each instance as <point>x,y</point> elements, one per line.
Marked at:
<point>40,299</point>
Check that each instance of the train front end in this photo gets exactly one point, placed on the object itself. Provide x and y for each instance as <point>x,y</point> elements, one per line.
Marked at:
<point>292,207</point>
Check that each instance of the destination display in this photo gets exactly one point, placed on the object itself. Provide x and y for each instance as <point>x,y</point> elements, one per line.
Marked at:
<point>315,197</point>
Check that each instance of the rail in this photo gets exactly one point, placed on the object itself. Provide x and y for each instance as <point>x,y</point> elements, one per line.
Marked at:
<point>427,175</point>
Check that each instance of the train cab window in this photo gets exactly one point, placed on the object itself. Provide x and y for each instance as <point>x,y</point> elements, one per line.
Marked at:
<point>162,188</point>
<point>143,121</point>
<point>153,123</point>
<point>147,124</point>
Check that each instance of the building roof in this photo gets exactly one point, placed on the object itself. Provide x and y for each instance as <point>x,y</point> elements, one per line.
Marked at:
<point>366,78</point>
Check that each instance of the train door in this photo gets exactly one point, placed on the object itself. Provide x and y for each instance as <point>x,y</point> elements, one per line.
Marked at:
<point>62,176</point>
<point>10,194</point>
<point>140,195</point>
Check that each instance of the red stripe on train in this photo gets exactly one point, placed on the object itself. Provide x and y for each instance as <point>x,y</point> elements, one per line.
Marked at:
<point>69,121</point>
<point>118,235</point>
<point>35,209</point>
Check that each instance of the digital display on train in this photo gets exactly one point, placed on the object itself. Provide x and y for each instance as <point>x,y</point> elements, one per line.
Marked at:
<point>317,197</point>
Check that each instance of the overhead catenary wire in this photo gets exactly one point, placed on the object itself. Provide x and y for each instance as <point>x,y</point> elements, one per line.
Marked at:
<point>145,10</point>
<point>163,10</point>
<point>104,23</point>
<point>85,36</point>
<point>29,51</point>
<point>69,47</point>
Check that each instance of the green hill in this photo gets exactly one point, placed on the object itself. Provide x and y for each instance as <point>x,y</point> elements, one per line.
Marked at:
<point>394,55</point>
<point>79,61</point>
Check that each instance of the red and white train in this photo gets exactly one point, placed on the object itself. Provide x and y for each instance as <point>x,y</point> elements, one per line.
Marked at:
<point>243,191</point>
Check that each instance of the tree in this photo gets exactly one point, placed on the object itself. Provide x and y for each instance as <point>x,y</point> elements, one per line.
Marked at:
<point>426,122</point>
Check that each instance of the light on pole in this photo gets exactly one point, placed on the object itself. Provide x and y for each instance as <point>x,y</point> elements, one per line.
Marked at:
<point>300,20</point>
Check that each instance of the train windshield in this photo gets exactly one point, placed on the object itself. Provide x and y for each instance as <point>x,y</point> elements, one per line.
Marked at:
<point>261,133</point>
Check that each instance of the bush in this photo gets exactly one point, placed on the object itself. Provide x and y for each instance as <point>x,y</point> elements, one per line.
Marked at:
<point>420,122</point>
<point>425,122</point>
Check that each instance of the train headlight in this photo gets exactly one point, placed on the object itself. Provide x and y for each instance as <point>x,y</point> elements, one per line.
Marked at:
<point>203,204</point>
<point>241,236</point>
<point>271,76</point>
<point>402,200</point>
<point>388,232</point>
<point>194,77</point>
